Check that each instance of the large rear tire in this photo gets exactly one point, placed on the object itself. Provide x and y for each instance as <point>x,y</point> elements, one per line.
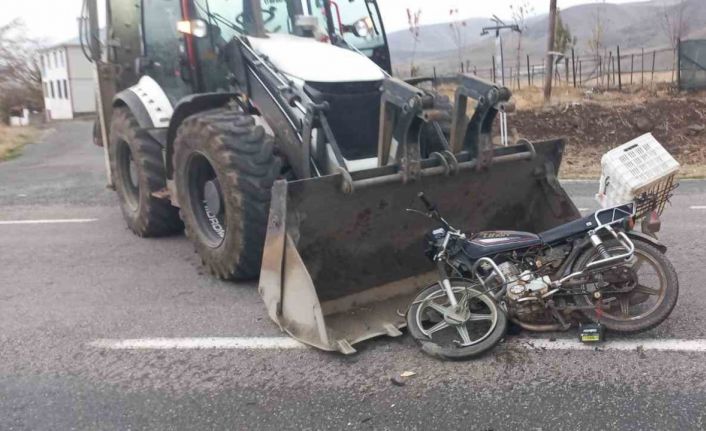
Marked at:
<point>138,172</point>
<point>224,168</point>
<point>649,298</point>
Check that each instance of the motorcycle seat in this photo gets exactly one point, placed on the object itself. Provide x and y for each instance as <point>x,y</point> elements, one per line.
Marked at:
<point>498,241</point>
<point>568,230</point>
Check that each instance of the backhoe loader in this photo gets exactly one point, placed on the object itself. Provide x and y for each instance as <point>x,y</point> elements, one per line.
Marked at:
<point>273,133</point>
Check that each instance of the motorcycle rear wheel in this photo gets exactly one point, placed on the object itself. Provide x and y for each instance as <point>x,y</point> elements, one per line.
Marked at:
<point>635,310</point>
<point>485,328</point>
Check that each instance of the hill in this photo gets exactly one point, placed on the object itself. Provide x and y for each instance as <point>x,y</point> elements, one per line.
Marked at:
<point>631,25</point>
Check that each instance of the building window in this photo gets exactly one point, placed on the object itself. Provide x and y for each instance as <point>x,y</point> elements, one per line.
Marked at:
<point>46,89</point>
<point>44,64</point>
<point>59,94</point>
<point>61,58</point>
<point>66,90</point>
<point>56,59</point>
<point>51,88</point>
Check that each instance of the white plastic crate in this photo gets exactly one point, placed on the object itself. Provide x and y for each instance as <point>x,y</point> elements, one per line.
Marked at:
<point>641,165</point>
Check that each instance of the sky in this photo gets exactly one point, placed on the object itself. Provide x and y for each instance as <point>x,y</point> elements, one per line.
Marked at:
<point>54,21</point>
<point>435,11</point>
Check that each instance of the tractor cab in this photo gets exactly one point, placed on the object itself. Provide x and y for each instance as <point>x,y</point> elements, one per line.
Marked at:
<point>354,25</point>
<point>335,52</point>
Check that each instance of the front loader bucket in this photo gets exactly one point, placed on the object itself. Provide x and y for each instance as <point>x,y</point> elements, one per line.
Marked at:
<point>341,267</point>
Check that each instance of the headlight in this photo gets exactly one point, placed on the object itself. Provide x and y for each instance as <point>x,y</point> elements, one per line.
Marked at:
<point>195,27</point>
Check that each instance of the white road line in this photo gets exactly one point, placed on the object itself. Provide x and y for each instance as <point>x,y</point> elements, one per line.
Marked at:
<point>248,343</point>
<point>278,343</point>
<point>583,209</point>
<point>669,345</point>
<point>49,221</point>
<point>697,207</point>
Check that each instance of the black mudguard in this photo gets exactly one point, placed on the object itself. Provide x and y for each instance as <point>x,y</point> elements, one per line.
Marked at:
<point>648,239</point>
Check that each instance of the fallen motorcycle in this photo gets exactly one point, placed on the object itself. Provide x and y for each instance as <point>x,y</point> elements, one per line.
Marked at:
<point>596,268</point>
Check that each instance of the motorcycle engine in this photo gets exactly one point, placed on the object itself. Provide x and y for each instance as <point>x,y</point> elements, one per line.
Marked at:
<point>522,288</point>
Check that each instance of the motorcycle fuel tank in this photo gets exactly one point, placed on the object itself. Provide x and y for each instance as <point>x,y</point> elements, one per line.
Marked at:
<point>499,241</point>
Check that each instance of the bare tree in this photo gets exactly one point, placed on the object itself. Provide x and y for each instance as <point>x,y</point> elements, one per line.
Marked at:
<point>595,43</point>
<point>674,21</point>
<point>549,62</point>
<point>457,33</point>
<point>413,22</point>
<point>564,40</point>
<point>520,11</point>
<point>20,76</point>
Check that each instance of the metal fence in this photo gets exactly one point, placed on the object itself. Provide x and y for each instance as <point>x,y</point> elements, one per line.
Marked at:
<point>611,70</point>
<point>692,64</point>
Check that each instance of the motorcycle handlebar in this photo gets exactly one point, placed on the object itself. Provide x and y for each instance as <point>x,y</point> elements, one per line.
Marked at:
<point>426,202</point>
<point>432,212</point>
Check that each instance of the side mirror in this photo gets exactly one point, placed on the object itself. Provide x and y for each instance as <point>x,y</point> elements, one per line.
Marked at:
<point>363,27</point>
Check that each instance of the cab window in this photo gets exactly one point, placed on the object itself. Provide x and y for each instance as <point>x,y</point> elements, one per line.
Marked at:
<point>222,15</point>
<point>356,22</point>
<point>162,46</point>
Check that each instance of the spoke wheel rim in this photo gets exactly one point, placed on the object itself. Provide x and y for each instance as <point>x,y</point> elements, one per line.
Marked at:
<point>203,188</point>
<point>625,301</point>
<point>464,340</point>
<point>127,170</point>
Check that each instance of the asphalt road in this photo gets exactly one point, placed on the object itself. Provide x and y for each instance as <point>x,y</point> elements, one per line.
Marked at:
<point>65,285</point>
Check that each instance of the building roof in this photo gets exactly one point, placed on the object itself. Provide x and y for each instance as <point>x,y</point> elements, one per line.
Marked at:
<point>70,42</point>
<point>74,41</point>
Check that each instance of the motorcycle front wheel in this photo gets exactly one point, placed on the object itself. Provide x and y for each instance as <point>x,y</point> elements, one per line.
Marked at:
<point>484,326</point>
<point>639,298</point>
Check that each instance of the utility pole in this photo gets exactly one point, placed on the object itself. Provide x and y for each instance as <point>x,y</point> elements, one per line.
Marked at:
<point>500,25</point>
<point>549,72</point>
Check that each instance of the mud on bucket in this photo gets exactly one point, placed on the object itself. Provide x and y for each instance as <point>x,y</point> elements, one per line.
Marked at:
<point>338,266</point>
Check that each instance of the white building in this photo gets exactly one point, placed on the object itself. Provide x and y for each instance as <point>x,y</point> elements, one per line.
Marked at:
<point>67,80</point>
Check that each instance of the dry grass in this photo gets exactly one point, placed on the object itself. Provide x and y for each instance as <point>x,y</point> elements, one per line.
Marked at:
<point>529,98</point>
<point>12,139</point>
<point>660,79</point>
<point>589,169</point>
<point>692,171</point>
<point>533,97</point>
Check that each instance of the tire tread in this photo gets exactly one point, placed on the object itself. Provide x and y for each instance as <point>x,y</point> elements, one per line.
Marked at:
<point>242,154</point>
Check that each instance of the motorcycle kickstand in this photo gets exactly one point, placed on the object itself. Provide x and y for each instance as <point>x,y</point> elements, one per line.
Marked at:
<point>555,313</point>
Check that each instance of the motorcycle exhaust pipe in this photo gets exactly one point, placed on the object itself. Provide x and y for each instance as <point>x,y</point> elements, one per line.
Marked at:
<point>534,327</point>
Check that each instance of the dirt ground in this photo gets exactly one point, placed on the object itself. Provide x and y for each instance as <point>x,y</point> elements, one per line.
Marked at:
<point>595,121</point>
<point>594,125</point>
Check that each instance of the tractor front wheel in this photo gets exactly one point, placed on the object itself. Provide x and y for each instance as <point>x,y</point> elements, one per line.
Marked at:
<point>224,167</point>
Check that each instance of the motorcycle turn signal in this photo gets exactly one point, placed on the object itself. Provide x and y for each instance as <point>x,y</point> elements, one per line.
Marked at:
<point>629,224</point>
